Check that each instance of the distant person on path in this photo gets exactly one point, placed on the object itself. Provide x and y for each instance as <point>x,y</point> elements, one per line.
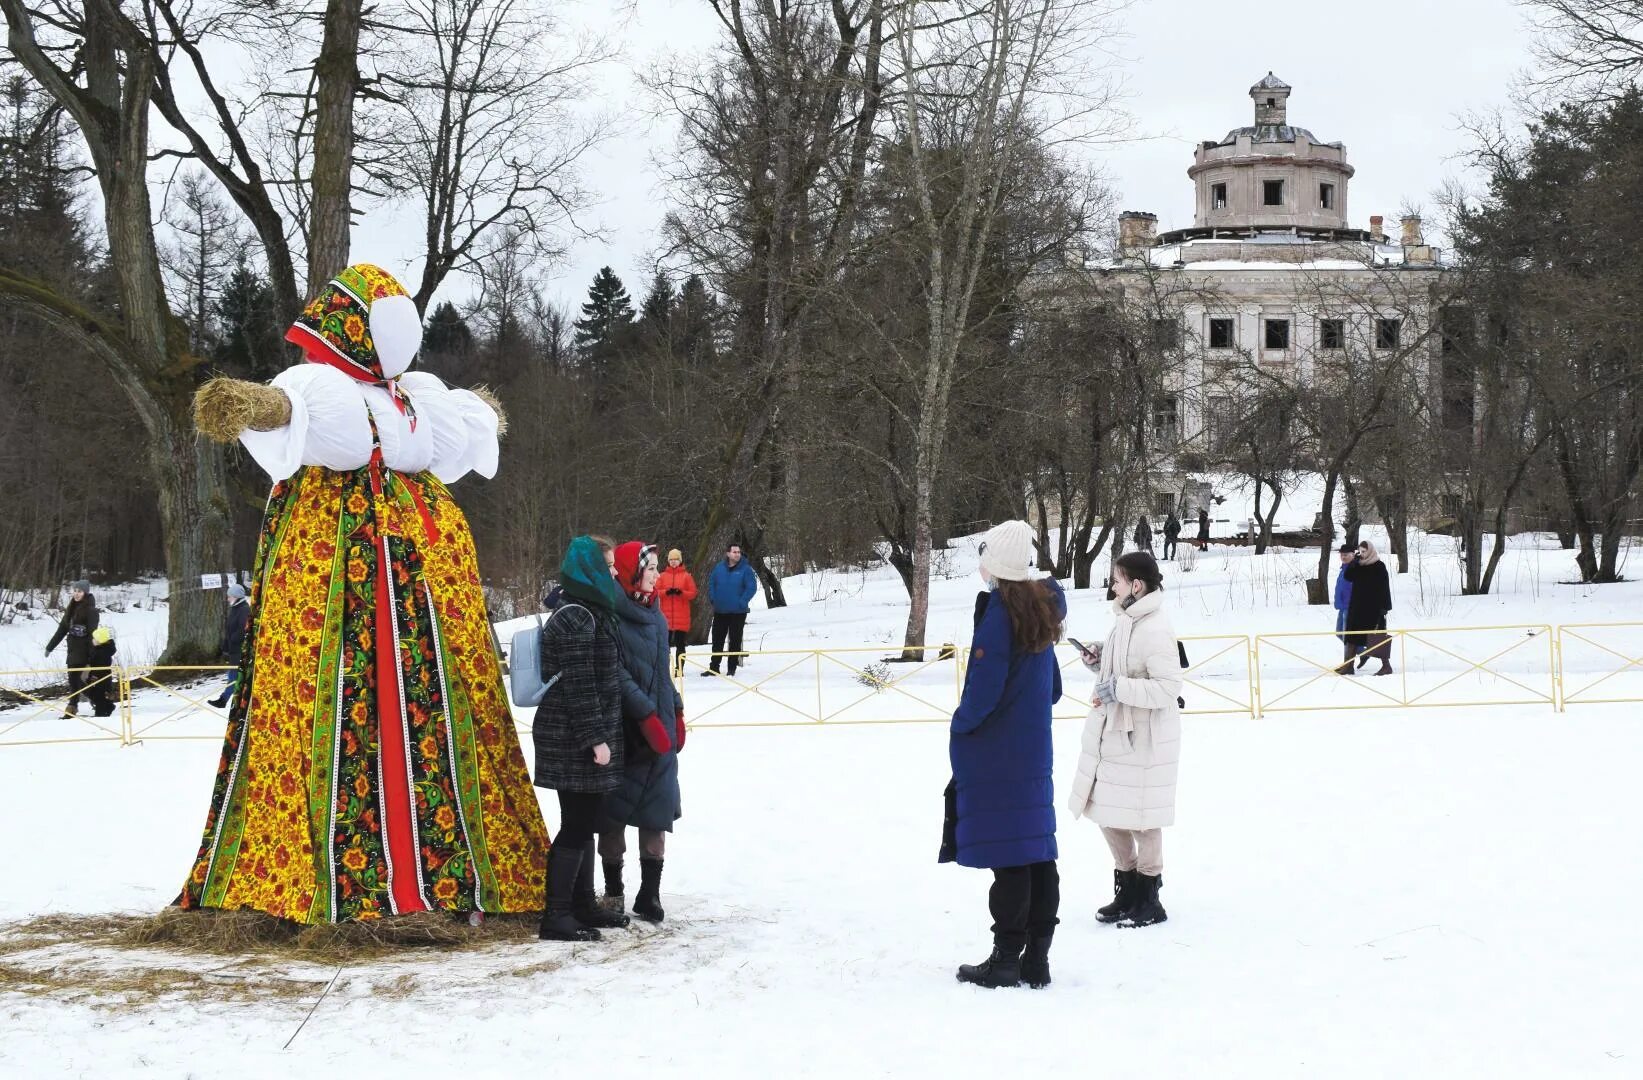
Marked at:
<point>1343,592</point>
<point>730,589</point>
<point>578,733</point>
<point>101,675</point>
<point>1366,611</point>
<point>1172,534</point>
<point>236,621</point>
<point>80,618</point>
<point>1143,534</point>
<point>1132,742</point>
<point>678,591</point>
<point>1203,528</point>
<point>654,732</point>
<point>1000,804</point>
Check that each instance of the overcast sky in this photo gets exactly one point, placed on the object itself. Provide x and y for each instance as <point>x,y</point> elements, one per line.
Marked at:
<point>1389,78</point>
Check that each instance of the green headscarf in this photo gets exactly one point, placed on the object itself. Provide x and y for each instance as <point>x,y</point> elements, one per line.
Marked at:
<point>585,576</point>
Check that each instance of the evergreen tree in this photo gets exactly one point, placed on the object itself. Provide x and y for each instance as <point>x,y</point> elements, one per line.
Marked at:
<point>447,344</point>
<point>248,343</point>
<point>606,325</point>
<point>696,316</point>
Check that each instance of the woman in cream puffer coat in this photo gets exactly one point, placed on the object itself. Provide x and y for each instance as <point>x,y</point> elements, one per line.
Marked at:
<point>1132,741</point>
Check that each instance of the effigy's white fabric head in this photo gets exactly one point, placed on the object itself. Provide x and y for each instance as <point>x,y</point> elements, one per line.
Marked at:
<point>397,332</point>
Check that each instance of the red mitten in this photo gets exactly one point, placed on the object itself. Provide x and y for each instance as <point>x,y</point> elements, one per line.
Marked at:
<point>679,719</point>
<point>655,734</point>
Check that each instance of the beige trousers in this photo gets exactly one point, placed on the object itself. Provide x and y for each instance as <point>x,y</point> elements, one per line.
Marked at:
<point>1137,849</point>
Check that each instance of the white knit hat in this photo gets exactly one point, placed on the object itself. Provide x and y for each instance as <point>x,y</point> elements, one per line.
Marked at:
<point>1007,551</point>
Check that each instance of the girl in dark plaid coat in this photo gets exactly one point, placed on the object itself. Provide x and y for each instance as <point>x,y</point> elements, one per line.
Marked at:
<point>578,736</point>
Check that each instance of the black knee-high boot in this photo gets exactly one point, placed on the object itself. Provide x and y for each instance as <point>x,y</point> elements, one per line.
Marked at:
<point>558,921</point>
<point>585,905</point>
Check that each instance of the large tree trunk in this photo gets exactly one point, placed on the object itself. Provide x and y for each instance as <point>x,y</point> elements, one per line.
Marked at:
<point>336,75</point>
<point>148,355</point>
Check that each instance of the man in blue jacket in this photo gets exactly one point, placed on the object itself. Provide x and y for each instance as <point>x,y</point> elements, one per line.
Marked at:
<point>730,588</point>
<point>1343,591</point>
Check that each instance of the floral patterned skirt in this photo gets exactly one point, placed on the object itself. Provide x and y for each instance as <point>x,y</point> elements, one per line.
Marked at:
<point>371,765</point>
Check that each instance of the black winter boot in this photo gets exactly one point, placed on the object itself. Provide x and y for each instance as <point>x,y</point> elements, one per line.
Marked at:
<point>1146,910</point>
<point>648,904</point>
<point>1123,897</point>
<point>558,924</point>
<point>585,905</point>
<point>1035,962</point>
<point>1001,969</point>
<point>614,898</point>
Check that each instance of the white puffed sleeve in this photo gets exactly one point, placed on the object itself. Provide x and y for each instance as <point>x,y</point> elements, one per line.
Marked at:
<point>463,426</point>
<point>329,424</point>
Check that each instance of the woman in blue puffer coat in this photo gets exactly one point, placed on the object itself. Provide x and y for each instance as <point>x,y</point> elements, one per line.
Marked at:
<point>1002,800</point>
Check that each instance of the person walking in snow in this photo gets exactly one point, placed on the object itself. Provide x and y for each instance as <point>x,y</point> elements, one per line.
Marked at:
<point>730,589</point>
<point>1203,528</point>
<point>1343,594</point>
<point>1125,781</point>
<point>578,734</point>
<point>653,731</point>
<point>1366,611</point>
<point>1172,534</point>
<point>236,621</point>
<point>80,619</point>
<point>677,590</point>
<point>1143,534</point>
<point>101,688</point>
<point>1000,804</point>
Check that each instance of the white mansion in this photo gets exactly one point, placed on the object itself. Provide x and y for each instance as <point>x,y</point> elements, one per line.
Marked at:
<point>1271,273</point>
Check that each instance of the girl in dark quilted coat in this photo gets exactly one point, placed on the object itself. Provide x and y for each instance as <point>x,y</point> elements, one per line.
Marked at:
<point>578,735</point>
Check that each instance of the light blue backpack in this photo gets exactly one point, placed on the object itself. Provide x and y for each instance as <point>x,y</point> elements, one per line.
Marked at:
<point>526,685</point>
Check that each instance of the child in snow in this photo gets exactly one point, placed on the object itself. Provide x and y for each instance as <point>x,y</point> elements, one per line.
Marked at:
<point>101,675</point>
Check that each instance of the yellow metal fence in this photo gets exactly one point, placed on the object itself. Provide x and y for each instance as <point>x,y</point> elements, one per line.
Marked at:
<point>1524,665</point>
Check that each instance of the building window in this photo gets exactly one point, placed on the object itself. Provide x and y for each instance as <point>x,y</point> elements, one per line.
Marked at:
<point>1326,196</point>
<point>1217,423</point>
<point>1217,196</point>
<point>1165,423</point>
<point>1272,192</point>
<point>1220,334</point>
<point>1387,333</point>
<point>1166,334</point>
<point>1277,335</point>
<point>1332,333</point>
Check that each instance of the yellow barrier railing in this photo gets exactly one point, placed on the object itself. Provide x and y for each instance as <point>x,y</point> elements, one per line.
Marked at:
<point>1228,674</point>
<point>1580,683</point>
<point>1447,667</point>
<point>44,718</point>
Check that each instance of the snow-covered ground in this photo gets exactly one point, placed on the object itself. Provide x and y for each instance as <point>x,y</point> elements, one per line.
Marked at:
<point>1442,892</point>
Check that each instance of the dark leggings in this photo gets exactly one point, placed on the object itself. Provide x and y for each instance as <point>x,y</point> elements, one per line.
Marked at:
<point>578,814</point>
<point>1024,902</point>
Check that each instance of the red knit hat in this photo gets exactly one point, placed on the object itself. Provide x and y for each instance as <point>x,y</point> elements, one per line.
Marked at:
<point>631,560</point>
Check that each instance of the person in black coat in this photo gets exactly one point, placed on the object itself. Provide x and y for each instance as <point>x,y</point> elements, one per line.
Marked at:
<point>578,735</point>
<point>1203,528</point>
<point>1172,533</point>
<point>236,621</point>
<point>654,733</point>
<point>1143,534</point>
<point>1366,611</point>
<point>80,618</point>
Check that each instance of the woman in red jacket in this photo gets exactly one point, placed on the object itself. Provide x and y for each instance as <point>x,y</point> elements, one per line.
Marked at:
<point>678,591</point>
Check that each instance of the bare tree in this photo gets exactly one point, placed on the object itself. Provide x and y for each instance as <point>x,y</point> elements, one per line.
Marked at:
<point>976,81</point>
<point>209,244</point>
<point>481,116</point>
<point>107,90</point>
<point>1598,43</point>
